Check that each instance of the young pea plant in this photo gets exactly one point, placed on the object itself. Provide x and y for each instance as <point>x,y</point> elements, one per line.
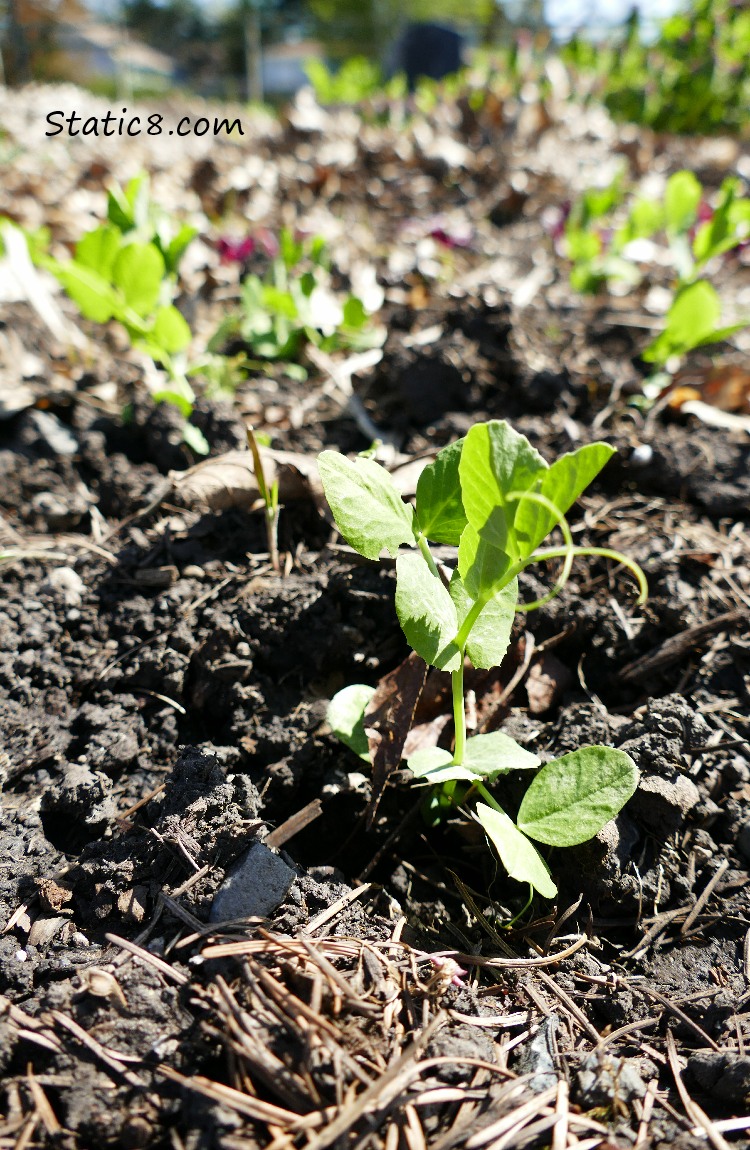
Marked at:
<point>269,494</point>
<point>494,498</point>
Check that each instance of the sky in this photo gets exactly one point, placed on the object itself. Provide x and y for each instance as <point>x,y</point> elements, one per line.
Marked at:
<point>572,14</point>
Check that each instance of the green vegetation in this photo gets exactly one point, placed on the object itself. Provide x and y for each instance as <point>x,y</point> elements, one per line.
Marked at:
<point>604,248</point>
<point>492,497</point>
<point>294,303</point>
<point>694,78</point>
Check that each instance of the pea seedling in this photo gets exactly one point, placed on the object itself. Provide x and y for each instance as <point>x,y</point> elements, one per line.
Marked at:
<point>492,496</point>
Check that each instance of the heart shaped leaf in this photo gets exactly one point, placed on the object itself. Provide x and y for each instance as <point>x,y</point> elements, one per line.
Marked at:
<point>572,798</point>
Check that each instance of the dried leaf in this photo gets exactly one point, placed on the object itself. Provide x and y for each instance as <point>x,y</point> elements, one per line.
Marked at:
<point>229,480</point>
<point>388,719</point>
<point>546,681</point>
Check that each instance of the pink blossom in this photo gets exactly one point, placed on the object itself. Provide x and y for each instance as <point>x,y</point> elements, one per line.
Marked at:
<point>235,251</point>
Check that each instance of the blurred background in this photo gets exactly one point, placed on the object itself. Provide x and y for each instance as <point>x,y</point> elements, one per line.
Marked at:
<point>351,50</point>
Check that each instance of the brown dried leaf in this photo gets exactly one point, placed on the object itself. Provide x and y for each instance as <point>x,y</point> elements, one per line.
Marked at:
<point>388,719</point>
<point>545,683</point>
<point>229,480</point>
<point>425,735</point>
<point>53,895</point>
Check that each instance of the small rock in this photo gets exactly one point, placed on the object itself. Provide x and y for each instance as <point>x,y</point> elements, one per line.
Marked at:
<point>254,889</point>
<point>538,1057</point>
<point>66,585</point>
<point>44,431</point>
<point>661,805</point>
<point>722,1073</point>
<point>604,1079</point>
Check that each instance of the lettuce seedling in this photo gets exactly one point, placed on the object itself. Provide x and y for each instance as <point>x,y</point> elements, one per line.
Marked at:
<point>494,498</point>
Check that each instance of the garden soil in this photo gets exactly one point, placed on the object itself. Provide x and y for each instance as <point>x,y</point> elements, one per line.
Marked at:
<point>163,690</point>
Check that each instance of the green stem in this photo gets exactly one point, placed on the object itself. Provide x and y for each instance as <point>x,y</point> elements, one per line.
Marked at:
<point>482,790</point>
<point>424,547</point>
<point>465,629</point>
<point>459,714</point>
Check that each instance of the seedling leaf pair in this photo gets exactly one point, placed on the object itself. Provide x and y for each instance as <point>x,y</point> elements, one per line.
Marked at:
<point>492,496</point>
<point>485,759</point>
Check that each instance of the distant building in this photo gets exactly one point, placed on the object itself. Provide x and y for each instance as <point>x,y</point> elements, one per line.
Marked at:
<point>284,66</point>
<point>103,52</point>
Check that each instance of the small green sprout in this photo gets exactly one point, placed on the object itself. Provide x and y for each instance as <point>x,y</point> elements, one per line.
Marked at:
<point>270,497</point>
<point>494,498</point>
<point>292,305</point>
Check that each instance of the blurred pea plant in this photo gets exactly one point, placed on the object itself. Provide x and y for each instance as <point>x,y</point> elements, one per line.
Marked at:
<point>494,498</point>
<point>693,233</point>
<point>293,303</point>
<point>126,270</point>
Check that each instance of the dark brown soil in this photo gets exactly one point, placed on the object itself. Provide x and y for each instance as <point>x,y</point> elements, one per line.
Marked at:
<point>163,697</point>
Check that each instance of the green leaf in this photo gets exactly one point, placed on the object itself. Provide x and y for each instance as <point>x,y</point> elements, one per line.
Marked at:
<point>496,754</point>
<point>572,798</point>
<point>89,290</point>
<point>520,857</point>
<point>692,318</point>
<point>644,219</point>
<point>435,766</point>
<point>138,272</point>
<point>354,312</point>
<point>345,717</point>
<point>426,613</point>
<point>440,509</point>
<point>195,439</point>
<point>177,246</point>
<point>170,331</point>
<point>482,567</point>
<point>97,250</point>
<point>682,198</point>
<point>490,635</point>
<point>369,512</point>
<point>495,462</point>
<point>562,483</point>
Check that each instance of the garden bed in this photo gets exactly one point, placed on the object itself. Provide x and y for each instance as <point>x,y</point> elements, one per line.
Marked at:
<point>163,691</point>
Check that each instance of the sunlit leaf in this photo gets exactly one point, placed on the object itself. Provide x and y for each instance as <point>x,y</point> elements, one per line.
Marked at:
<point>571,798</point>
<point>682,198</point>
<point>518,855</point>
<point>369,512</point>
<point>138,272</point>
<point>345,717</point>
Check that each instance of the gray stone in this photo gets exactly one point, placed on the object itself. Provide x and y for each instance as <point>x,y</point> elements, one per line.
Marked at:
<point>724,1074</point>
<point>604,1079</point>
<point>661,805</point>
<point>255,888</point>
<point>539,1057</point>
<point>65,584</point>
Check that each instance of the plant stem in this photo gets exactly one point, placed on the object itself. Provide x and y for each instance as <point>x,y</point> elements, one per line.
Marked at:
<point>459,714</point>
<point>465,629</point>
<point>482,790</point>
<point>270,500</point>
<point>424,547</point>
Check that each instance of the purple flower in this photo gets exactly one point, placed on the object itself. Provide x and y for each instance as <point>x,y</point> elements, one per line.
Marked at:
<point>235,251</point>
<point>451,239</point>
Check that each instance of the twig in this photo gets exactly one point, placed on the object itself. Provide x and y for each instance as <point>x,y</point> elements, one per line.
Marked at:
<point>705,896</point>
